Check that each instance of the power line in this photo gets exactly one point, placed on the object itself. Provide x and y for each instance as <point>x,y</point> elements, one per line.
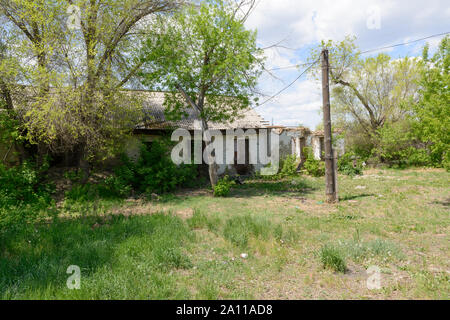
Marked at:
<point>367,51</point>
<point>290,67</point>
<point>406,43</point>
<point>288,86</point>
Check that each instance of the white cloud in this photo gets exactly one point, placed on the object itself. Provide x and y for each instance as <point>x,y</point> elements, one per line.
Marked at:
<point>301,104</point>
<point>301,24</point>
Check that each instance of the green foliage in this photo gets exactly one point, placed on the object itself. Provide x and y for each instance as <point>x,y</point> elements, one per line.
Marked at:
<point>288,166</point>
<point>398,146</point>
<point>446,161</point>
<point>433,112</point>
<point>223,187</point>
<point>313,167</point>
<point>368,91</point>
<point>345,164</point>
<point>332,258</point>
<point>207,51</point>
<point>154,171</point>
<point>111,187</point>
<point>9,127</point>
<point>23,196</point>
<point>56,109</point>
<point>372,99</point>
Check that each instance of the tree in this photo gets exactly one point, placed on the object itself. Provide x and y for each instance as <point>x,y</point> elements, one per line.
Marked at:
<point>370,91</point>
<point>74,65</point>
<point>205,59</point>
<point>433,112</point>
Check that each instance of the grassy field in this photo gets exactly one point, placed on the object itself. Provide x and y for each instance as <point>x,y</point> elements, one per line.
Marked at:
<point>189,245</point>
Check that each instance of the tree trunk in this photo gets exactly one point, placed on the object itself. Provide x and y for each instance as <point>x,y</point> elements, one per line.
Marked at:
<point>212,165</point>
<point>84,166</point>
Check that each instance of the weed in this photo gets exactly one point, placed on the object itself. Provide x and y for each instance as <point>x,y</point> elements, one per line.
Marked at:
<point>332,258</point>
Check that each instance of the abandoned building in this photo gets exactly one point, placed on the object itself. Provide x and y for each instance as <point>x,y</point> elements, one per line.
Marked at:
<point>292,140</point>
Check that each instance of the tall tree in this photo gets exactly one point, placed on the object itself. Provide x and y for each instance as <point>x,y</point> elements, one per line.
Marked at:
<point>433,109</point>
<point>76,57</point>
<point>370,91</point>
<point>207,60</point>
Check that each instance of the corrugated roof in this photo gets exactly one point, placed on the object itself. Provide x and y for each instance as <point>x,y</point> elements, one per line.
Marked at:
<point>156,119</point>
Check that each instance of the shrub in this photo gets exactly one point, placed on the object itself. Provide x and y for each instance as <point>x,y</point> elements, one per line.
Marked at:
<point>289,166</point>
<point>332,258</point>
<point>23,195</point>
<point>446,161</point>
<point>345,165</point>
<point>313,167</point>
<point>114,187</point>
<point>397,146</point>
<point>154,171</point>
<point>223,187</point>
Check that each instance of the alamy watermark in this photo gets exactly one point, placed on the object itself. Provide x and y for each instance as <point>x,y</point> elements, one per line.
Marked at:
<point>373,281</point>
<point>229,149</point>
<point>374,18</point>
<point>74,20</point>
<point>74,281</point>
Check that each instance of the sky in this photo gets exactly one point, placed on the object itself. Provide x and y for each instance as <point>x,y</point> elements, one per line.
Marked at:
<point>299,25</point>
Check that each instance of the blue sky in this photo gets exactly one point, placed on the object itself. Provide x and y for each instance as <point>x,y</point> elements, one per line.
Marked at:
<point>299,25</point>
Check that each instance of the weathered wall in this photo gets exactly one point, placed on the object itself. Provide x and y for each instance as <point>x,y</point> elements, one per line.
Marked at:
<point>291,141</point>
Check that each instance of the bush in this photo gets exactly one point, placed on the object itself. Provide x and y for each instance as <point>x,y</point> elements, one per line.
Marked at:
<point>446,161</point>
<point>313,167</point>
<point>154,171</point>
<point>332,258</point>
<point>223,187</point>
<point>23,195</point>
<point>397,146</point>
<point>345,165</point>
<point>288,166</point>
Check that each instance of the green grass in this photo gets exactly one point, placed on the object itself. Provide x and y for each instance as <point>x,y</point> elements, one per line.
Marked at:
<point>332,258</point>
<point>120,258</point>
<point>297,246</point>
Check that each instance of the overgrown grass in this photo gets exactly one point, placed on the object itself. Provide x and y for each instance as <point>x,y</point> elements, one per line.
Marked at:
<point>396,220</point>
<point>119,258</point>
<point>238,229</point>
<point>332,258</point>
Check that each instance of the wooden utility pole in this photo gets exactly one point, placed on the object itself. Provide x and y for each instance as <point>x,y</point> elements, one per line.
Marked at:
<point>330,165</point>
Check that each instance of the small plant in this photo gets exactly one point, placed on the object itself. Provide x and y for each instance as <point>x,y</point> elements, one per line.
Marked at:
<point>349,165</point>
<point>153,172</point>
<point>446,161</point>
<point>24,196</point>
<point>223,187</point>
<point>313,167</point>
<point>332,258</point>
<point>238,229</point>
<point>289,166</point>
<point>198,220</point>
